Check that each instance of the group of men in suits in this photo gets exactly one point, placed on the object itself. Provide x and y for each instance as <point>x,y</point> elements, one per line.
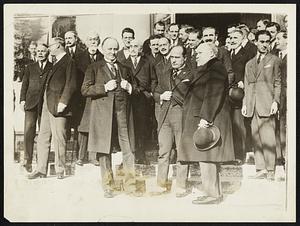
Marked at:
<point>115,98</point>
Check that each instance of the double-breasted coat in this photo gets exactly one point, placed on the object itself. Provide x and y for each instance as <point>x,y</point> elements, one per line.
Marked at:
<point>102,106</point>
<point>207,99</point>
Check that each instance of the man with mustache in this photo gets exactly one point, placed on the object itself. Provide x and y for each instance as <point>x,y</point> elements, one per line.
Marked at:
<point>127,37</point>
<point>262,95</point>
<point>239,58</point>
<point>87,57</point>
<point>32,82</point>
<point>72,47</point>
<point>210,35</point>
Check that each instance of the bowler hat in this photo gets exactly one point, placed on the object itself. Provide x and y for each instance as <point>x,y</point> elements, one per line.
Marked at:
<point>205,138</point>
<point>236,94</point>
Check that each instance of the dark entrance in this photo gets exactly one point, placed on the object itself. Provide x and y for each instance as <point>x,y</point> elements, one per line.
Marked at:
<point>220,20</point>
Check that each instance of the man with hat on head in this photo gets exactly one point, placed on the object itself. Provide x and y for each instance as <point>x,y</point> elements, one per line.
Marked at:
<point>57,92</point>
<point>205,111</point>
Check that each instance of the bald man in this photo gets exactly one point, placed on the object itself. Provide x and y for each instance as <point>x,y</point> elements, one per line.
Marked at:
<point>110,85</point>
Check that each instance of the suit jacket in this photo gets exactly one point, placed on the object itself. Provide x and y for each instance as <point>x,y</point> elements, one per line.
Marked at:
<point>154,60</point>
<point>146,47</point>
<point>283,70</point>
<point>143,74</point>
<point>224,56</point>
<point>102,106</point>
<point>207,98</point>
<point>191,60</point>
<point>81,111</point>
<point>60,85</point>
<point>179,90</point>
<point>262,85</point>
<point>78,51</point>
<point>19,68</point>
<point>32,84</point>
<point>250,49</point>
<point>238,65</point>
<point>121,56</point>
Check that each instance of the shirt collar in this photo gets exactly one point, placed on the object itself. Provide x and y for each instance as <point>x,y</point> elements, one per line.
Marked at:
<point>126,53</point>
<point>244,42</point>
<point>137,58</point>
<point>262,55</point>
<point>284,52</point>
<point>237,49</point>
<point>59,56</point>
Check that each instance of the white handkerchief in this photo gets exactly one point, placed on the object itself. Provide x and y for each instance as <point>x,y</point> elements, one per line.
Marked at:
<point>185,80</point>
<point>267,66</point>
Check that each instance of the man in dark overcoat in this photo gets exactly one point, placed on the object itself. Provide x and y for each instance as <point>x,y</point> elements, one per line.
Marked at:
<point>142,98</point>
<point>108,83</point>
<point>87,57</point>
<point>206,104</point>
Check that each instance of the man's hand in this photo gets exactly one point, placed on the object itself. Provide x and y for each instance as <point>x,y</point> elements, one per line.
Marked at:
<point>166,95</point>
<point>244,110</point>
<point>126,85</point>
<point>110,85</point>
<point>204,124</point>
<point>240,84</point>
<point>22,105</point>
<point>274,108</point>
<point>61,107</point>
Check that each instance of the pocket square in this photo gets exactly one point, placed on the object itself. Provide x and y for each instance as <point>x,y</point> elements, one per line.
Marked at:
<point>185,80</point>
<point>267,66</point>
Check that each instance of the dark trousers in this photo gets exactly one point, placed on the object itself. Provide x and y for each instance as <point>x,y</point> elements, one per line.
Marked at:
<point>171,129</point>
<point>31,117</point>
<point>264,141</point>
<point>120,125</point>
<point>239,133</point>
<point>83,147</point>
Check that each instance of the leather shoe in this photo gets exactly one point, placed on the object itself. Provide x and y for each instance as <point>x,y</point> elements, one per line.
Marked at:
<point>204,200</point>
<point>28,168</point>
<point>108,193</point>
<point>95,162</point>
<point>262,174</point>
<point>182,193</point>
<point>60,175</point>
<point>36,174</point>
<point>79,162</point>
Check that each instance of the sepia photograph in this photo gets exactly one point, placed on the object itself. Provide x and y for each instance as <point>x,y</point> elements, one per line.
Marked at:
<point>149,112</point>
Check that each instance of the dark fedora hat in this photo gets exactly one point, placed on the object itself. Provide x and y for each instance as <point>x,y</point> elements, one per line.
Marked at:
<point>205,138</point>
<point>236,94</point>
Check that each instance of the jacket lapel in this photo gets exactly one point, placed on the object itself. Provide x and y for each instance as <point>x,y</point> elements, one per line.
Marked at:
<point>238,55</point>
<point>262,64</point>
<point>57,65</point>
<point>139,66</point>
<point>181,76</point>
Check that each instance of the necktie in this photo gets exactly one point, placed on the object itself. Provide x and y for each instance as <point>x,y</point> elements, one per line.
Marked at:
<point>53,59</point>
<point>135,62</point>
<point>41,66</point>
<point>71,52</point>
<point>259,59</point>
<point>232,54</point>
<point>280,55</point>
<point>92,58</point>
<point>115,72</point>
<point>174,73</point>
